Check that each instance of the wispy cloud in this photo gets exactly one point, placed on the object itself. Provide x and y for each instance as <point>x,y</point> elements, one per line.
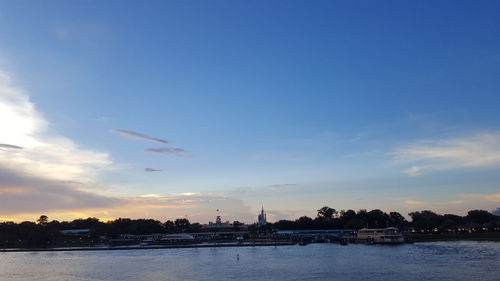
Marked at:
<point>169,151</point>
<point>139,136</point>
<point>486,197</point>
<point>151,170</point>
<point>264,191</point>
<point>479,150</point>
<point>276,187</point>
<point>9,146</point>
<point>416,203</point>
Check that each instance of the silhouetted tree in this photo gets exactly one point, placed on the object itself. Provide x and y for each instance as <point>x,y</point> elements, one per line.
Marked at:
<point>237,224</point>
<point>479,216</point>
<point>326,213</point>
<point>397,220</point>
<point>45,233</point>
<point>362,214</point>
<point>304,222</point>
<point>194,228</point>
<point>169,226</point>
<point>344,217</point>
<point>285,225</point>
<point>451,221</point>
<point>425,219</point>
<point>347,215</point>
<point>181,225</point>
<point>355,223</point>
<point>376,219</point>
<point>43,220</point>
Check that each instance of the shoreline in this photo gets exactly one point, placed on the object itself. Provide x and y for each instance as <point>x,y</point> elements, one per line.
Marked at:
<point>222,245</point>
<point>445,239</point>
<point>486,236</point>
<point>123,248</point>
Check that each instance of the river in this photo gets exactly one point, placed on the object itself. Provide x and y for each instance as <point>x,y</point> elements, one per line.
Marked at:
<point>419,261</point>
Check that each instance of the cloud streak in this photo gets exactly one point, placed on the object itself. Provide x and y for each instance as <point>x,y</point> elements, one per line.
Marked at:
<point>179,152</point>
<point>151,170</point>
<point>9,146</point>
<point>480,150</point>
<point>412,202</point>
<point>139,136</point>
<point>486,197</point>
<point>281,186</point>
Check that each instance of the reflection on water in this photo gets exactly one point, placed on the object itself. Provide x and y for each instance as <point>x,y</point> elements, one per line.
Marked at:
<point>420,261</point>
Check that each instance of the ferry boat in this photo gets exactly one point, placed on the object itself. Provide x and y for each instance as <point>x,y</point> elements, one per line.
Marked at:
<point>389,235</point>
<point>177,239</point>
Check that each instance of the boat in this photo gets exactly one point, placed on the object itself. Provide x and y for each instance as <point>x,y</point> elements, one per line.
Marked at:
<point>123,242</point>
<point>303,243</point>
<point>390,235</point>
<point>176,239</point>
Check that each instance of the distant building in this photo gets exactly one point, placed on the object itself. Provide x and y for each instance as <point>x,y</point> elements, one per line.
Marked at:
<point>75,231</point>
<point>219,224</point>
<point>261,219</point>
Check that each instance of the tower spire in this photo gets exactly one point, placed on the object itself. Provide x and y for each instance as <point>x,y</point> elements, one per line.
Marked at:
<point>262,217</point>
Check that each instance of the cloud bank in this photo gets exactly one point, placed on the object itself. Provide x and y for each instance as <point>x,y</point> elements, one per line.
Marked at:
<point>479,150</point>
<point>44,154</point>
<point>40,170</point>
<point>21,194</point>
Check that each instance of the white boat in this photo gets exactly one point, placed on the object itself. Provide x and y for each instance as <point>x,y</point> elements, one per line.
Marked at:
<point>177,239</point>
<point>389,235</point>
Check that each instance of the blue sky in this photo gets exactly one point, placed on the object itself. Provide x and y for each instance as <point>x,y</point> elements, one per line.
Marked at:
<point>288,104</point>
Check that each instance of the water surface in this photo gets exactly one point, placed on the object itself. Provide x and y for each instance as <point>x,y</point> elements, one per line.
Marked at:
<point>419,261</point>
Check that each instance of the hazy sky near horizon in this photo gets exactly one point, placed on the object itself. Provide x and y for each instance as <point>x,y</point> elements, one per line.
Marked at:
<point>168,109</point>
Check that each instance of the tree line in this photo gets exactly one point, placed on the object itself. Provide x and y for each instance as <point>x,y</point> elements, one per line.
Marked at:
<point>45,232</point>
<point>329,218</point>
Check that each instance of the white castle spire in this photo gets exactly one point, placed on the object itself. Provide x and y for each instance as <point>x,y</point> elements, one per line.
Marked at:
<point>261,219</point>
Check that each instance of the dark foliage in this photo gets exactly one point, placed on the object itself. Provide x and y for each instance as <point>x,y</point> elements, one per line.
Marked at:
<point>46,233</point>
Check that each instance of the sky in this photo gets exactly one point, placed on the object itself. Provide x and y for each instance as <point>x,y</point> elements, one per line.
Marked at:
<point>177,109</point>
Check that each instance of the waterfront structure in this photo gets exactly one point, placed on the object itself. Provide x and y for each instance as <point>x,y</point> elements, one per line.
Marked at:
<point>219,224</point>
<point>316,235</point>
<point>261,219</point>
<point>75,231</point>
<point>182,238</point>
<point>389,235</point>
